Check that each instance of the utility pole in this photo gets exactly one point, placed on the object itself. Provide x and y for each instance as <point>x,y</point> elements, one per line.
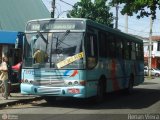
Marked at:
<point>150,47</point>
<point>126,23</point>
<point>53,9</point>
<point>116,18</point>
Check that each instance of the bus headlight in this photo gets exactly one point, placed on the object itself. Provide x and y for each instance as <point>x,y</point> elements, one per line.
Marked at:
<point>26,81</point>
<point>76,83</point>
<point>72,82</point>
<point>69,83</point>
<point>31,82</point>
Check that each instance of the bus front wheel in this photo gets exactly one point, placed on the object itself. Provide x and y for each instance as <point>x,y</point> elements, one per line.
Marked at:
<point>101,90</point>
<point>129,89</point>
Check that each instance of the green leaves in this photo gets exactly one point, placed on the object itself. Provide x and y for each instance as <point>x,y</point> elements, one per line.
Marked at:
<point>96,11</point>
<point>141,7</point>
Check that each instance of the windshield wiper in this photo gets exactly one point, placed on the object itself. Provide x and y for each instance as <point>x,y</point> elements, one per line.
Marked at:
<point>41,35</point>
<point>58,42</point>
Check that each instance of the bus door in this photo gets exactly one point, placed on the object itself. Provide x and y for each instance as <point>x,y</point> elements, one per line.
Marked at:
<point>92,60</point>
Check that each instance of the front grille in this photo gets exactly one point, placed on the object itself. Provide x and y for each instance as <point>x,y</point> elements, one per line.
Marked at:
<point>49,81</point>
<point>52,91</point>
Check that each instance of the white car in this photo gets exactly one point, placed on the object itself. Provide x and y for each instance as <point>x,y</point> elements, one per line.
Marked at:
<point>154,71</point>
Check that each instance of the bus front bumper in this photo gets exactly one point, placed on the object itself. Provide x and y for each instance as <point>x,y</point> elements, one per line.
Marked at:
<point>72,91</point>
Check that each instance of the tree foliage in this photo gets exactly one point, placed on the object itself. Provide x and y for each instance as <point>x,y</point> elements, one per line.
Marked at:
<point>97,11</point>
<point>140,7</point>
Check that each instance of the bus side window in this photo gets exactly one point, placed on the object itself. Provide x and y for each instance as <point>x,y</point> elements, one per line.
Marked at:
<point>112,45</point>
<point>127,50</point>
<point>139,51</point>
<point>91,51</point>
<point>102,45</point>
<point>119,47</point>
<point>133,52</point>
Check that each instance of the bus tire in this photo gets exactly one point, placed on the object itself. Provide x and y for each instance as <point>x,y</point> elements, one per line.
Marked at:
<point>157,75</point>
<point>129,89</point>
<point>101,90</point>
<point>50,99</point>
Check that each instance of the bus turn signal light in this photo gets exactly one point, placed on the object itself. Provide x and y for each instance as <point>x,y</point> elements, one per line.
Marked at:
<point>83,83</point>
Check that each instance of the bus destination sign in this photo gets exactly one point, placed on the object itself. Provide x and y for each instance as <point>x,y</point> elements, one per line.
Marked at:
<point>60,26</point>
<point>55,25</point>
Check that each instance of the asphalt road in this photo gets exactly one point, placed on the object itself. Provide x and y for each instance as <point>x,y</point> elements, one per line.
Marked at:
<point>143,104</point>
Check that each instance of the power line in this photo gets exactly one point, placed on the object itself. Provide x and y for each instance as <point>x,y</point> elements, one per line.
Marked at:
<point>66,3</point>
<point>136,30</point>
<point>143,27</point>
<point>131,29</point>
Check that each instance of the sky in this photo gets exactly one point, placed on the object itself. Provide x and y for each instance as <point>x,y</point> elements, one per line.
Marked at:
<point>140,27</point>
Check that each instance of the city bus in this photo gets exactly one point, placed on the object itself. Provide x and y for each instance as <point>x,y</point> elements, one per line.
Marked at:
<point>84,59</point>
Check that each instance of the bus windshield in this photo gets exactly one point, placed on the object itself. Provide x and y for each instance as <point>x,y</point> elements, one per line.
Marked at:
<point>54,50</point>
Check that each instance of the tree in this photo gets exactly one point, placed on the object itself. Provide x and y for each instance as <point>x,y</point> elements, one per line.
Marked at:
<point>141,7</point>
<point>97,11</point>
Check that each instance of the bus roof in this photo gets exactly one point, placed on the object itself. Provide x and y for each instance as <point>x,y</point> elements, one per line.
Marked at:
<point>84,19</point>
<point>114,31</point>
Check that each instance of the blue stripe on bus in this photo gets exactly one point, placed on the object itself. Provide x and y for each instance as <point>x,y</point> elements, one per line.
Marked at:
<point>66,72</point>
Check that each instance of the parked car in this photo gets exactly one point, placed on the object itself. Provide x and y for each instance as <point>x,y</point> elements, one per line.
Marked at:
<point>154,71</point>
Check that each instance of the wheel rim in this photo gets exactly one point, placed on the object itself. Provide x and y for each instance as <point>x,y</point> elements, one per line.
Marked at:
<point>156,75</point>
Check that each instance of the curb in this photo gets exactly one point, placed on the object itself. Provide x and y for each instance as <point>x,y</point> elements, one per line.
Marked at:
<point>149,78</point>
<point>9,103</point>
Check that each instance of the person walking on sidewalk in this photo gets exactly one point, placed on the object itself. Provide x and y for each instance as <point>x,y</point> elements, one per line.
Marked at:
<point>4,75</point>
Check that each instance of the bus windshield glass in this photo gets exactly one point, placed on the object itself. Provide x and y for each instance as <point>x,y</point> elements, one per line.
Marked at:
<point>59,50</point>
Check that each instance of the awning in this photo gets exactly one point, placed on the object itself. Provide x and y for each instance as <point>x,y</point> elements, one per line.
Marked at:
<point>8,37</point>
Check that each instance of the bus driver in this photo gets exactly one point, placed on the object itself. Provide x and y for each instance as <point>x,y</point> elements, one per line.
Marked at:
<point>40,56</point>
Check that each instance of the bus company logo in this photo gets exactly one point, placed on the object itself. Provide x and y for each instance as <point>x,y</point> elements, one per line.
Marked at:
<point>4,116</point>
<point>29,72</point>
<point>71,73</point>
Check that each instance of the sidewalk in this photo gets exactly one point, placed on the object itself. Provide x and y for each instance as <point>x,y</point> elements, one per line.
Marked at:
<point>17,98</point>
<point>149,78</point>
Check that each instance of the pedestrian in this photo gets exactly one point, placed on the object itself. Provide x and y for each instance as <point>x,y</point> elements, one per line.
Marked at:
<point>4,75</point>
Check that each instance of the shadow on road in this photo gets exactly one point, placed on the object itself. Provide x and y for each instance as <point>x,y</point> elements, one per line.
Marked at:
<point>141,98</point>
<point>149,83</point>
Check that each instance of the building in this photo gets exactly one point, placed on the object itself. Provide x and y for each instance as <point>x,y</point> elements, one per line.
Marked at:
<point>7,45</point>
<point>155,54</point>
<point>14,15</point>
